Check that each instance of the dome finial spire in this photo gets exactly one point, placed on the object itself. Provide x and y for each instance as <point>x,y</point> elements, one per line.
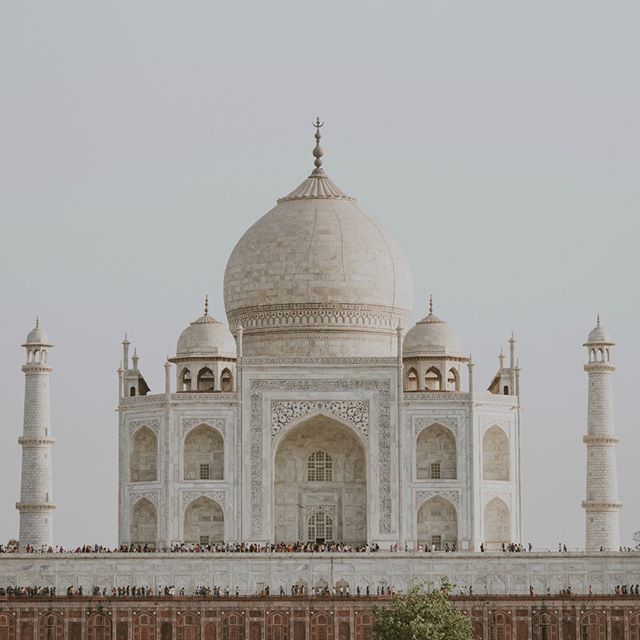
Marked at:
<point>430,303</point>
<point>598,320</point>
<point>317,151</point>
<point>206,304</point>
<point>38,321</point>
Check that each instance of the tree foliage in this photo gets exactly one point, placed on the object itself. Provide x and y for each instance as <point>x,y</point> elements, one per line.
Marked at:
<point>417,615</point>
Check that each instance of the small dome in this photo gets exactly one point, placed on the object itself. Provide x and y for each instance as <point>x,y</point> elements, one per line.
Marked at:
<point>206,337</point>
<point>38,336</point>
<point>431,337</point>
<point>599,334</point>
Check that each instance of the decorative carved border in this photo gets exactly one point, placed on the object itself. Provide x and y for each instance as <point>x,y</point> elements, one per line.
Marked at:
<point>435,396</point>
<point>451,495</point>
<point>265,360</point>
<point>383,391</point>
<point>151,423</point>
<point>136,496</point>
<point>423,422</point>
<point>187,497</point>
<point>355,412</point>
<point>215,422</point>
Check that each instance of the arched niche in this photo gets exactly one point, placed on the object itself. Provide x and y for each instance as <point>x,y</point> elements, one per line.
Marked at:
<point>203,522</point>
<point>185,380</point>
<point>497,524</point>
<point>143,626</point>
<point>51,627</point>
<point>436,457</point>
<point>433,379</point>
<point>340,494</point>
<point>437,523</point>
<point>188,627</point>
<point>545,626</point>
<point>412,380</point>
<point>203,454</point>
<point>495,454</point>
<point>206,380</point>
<point>143,462</point>
<point>99,627</point>
<point>144,523</point>
<point>226,380</point>
<point>453,379</point>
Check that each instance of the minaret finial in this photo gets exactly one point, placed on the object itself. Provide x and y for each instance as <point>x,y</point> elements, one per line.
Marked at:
<point>38,321</point>
<point>317,151</point>
<point>430,303</point>
<point>206,304</point>
<point>597,320</point>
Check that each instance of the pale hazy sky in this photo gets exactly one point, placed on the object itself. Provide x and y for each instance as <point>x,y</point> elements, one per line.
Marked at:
<point>499,140</point>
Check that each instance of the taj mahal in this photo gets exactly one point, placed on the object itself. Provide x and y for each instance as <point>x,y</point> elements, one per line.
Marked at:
<point>315,413</point>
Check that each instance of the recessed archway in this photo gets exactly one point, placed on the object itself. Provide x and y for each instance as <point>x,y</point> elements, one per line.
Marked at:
<point>497,524</point>
<point>437,524</point>
<point>203,522</point>
<point>495,454</point>
<point>436,457</point>
<point>144,523</point>
<point>144,456</point>
<point>203,454</point>
<point>320,483</point>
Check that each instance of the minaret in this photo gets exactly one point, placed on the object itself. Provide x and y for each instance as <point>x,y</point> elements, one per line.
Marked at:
<point>601,504</point>
<point>36,506</point>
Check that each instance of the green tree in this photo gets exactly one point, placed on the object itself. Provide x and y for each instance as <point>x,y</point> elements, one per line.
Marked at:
<point>417,615</point>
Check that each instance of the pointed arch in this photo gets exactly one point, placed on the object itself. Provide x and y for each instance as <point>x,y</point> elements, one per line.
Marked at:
<point>143,461</point>
<point>545,626</point>
<point>51,626</point>
<point>437,523</point>
<point>203,522</point>
<point>433,379</point>
<point>495,454</point>
<point>99,627</point>
<point>7,627</point>
<point>232,626</point>
<point>206,380</point>
<point>593,626</point>
<point>188,627</point>
<point>144,523</point>
<point>185,380</point>
<point>497,524</point>
<point>203,454</point>
<point>226,380</point>
<point>453,380</point>
<point>143,627</point>
<point>436,455</point>
<point>277,626</point>
<point>321,626</point>
<point>412,380</point>
<point>501,626</point>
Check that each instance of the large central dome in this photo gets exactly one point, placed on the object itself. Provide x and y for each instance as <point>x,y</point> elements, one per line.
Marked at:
<point>317,276</point>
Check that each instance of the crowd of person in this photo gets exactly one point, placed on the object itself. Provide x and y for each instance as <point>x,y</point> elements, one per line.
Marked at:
<point>281,547</point>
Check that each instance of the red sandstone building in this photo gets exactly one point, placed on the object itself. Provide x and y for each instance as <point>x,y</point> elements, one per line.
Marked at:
<point>305,618</point>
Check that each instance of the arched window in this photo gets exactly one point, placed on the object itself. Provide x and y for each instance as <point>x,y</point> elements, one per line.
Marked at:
<point>144,523</point>
<point>132,391</point>
<point>185,380</point>
<point>505,390</point>
<point>453,381</point>
<point>497,524</point>
<point>206,380</point>
<point>277,626</point>
<point>412,380</point>
<point>203,454</point>
<point>51,627</point>
<point>319,467</point>
<point>233,626</point>
<point>226,380</point>
<point>495,455</point>
<point>144,456</point>
<point>363,625</point>
<point>320,528</point>
<point>7,627</point>
<point>436,454</point>
<point>433,379</point>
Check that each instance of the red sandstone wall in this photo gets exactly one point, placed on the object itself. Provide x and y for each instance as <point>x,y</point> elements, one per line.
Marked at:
<point>304,618</point>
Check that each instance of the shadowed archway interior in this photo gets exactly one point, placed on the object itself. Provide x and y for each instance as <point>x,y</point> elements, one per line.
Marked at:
<point>320,488</point>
